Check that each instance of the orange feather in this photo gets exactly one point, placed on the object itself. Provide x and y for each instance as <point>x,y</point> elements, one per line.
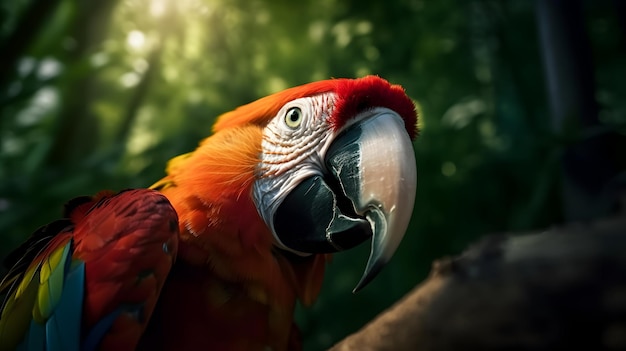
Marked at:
<point>262,110</point>
<point>230,281</point>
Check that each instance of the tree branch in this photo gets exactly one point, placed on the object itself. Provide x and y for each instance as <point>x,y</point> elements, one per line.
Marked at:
<point>561,289</point>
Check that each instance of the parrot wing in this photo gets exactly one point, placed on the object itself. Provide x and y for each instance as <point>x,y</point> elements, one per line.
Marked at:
<point>91,279</point>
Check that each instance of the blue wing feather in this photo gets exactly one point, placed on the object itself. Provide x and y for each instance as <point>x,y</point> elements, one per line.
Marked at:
<point>99,330</point>
<point>61,330</point>
<point>64,327</point>
<point>35,338</point>
<point>45,287</point>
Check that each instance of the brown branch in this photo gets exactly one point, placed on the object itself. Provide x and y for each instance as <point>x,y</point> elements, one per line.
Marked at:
<point>561,289</point>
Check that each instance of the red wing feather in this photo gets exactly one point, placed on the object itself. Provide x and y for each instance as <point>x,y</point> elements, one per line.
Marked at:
<point>127,242</point>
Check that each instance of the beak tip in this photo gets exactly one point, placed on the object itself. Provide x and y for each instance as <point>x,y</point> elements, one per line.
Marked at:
<point>387,233</point>
<point>371,271</point>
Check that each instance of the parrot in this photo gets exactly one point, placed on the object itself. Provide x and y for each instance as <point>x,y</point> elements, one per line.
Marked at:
<point>217,253</point>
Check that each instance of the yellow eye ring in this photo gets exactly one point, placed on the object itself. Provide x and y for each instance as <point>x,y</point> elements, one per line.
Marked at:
<point>293,117</point>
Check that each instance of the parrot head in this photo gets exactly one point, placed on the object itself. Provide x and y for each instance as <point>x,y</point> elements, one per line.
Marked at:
<point>336,166</point>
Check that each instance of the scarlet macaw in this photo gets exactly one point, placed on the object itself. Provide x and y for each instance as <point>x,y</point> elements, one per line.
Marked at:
<point>215,255</point>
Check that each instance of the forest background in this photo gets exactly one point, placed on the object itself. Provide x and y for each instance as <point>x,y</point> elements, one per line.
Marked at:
<point>522,109</point>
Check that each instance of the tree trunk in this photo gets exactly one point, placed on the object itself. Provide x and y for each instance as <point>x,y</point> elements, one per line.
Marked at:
<point>15,45</point>
<point>586,162</point>
<point>77,128</point>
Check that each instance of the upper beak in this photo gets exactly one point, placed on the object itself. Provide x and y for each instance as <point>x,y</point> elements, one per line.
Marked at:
<point>369,192</point>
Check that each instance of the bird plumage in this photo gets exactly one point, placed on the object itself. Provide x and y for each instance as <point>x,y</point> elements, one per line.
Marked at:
<point>234,285</point>
<point>229,252</point>
<point>81,287</point>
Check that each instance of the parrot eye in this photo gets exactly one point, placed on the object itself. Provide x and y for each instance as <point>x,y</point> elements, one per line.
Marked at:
<point>293,117</point>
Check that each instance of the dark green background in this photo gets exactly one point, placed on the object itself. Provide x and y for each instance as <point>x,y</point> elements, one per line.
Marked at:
<point>82,109</point>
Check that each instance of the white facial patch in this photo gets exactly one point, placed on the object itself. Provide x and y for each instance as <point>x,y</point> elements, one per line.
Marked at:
<point>293,148</point>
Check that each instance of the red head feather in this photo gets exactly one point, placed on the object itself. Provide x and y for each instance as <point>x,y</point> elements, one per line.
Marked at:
<point>353,96</point>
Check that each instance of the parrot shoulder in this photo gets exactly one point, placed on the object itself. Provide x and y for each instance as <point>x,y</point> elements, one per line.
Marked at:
<point>91,278</point>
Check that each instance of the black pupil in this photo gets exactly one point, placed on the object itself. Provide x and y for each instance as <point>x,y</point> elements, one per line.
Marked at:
<point>294,115</point>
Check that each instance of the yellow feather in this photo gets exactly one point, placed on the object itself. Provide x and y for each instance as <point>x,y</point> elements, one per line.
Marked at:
<point>8,282</point>
<point>17,313</point>
<point>28,277</point>
<point>51,283</point>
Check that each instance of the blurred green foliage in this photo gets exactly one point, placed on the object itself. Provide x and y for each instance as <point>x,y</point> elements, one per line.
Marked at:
<point>100,94</point>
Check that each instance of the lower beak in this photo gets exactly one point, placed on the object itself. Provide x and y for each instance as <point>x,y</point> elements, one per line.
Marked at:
<point>368,193</point>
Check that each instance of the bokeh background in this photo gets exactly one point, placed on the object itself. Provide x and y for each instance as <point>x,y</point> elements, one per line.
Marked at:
<point>522,109</point>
